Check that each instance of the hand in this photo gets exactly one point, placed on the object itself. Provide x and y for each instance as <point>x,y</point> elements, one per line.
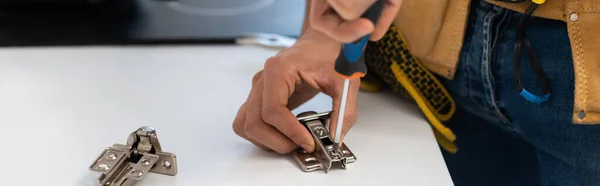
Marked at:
<point>288,80</point>
<point>340,19</point>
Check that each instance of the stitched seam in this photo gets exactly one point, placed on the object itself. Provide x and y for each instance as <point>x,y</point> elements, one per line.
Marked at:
<point>490,62</point>
<point>590,8</point>
<point>484,68</point>
<point>455,34</point>
<point>582,64</point>
<point>580,61</point>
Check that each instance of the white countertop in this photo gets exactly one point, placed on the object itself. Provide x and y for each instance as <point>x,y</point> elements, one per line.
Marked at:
<point>60,107</point>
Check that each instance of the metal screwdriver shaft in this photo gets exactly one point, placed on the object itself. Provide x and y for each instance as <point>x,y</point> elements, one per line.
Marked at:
<point>341,113</point>
<point>350,64</point>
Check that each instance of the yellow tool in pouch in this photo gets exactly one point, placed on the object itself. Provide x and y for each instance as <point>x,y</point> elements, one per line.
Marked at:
<point>390,61</point>
<point>539,2</point>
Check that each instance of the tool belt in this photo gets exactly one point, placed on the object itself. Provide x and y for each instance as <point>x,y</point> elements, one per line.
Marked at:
<point>390,63</point>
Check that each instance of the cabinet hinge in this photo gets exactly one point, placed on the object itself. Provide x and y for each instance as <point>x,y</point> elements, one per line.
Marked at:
<point>323,157</point>
<point>123,165</point>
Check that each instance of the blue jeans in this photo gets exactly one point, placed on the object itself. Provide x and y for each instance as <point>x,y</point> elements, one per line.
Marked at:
<point>502,138</point>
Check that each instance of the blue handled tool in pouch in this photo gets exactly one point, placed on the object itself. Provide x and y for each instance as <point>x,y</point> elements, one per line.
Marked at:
<point>522,41</point>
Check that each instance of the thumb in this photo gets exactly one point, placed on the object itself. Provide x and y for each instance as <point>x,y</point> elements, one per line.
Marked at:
<point>349,114</point>
<point>350,9</point>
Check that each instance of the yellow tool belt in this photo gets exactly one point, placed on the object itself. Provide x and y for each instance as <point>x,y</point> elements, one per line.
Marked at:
<point>390,62</point>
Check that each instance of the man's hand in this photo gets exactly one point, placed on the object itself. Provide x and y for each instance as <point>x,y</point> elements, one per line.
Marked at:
<point>288,80</point>
<point>341,19</point>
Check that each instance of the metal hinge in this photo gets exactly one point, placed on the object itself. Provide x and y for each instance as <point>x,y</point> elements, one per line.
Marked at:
<point>123,165</point>
<point>324,157</point>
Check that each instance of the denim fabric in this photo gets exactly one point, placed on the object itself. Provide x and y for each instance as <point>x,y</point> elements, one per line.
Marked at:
<point>502,138</point>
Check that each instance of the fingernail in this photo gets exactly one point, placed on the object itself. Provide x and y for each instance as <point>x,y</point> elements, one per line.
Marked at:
<point>307,147</point>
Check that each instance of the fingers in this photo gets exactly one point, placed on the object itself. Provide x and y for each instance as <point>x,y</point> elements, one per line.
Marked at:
<point>266,120</point>
<point>350,9</point>
<point>255,128</point>
<point>240,118</point>
<point>256,77</point>
<point>390,10</point>
<point>341,19</point>
<point>238,127</point>
<point>323,18</point>
<point>350,113</point>
<point>276,92</point>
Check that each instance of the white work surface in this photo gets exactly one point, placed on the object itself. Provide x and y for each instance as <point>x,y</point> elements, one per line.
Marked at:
<point>60,107</point>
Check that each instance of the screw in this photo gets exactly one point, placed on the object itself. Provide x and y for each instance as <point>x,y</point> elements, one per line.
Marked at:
<point>334,154</point>
<point>166,165</point>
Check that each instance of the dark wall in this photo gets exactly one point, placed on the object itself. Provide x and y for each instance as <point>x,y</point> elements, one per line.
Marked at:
<point>117,22</point>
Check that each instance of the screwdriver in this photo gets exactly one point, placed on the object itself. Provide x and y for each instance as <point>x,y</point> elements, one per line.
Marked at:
<point>350,64</point>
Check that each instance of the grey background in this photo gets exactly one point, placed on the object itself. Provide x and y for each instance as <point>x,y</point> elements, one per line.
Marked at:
<point>125,22</point>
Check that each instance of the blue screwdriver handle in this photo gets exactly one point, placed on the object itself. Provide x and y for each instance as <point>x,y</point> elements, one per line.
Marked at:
<point>350,62</point>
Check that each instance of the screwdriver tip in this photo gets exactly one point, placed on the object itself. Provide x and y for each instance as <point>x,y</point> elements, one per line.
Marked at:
<point>336,146</point>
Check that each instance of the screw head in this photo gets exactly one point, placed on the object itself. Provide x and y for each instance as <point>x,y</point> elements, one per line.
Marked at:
<point>166,165</point>
<point>335,154</point>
